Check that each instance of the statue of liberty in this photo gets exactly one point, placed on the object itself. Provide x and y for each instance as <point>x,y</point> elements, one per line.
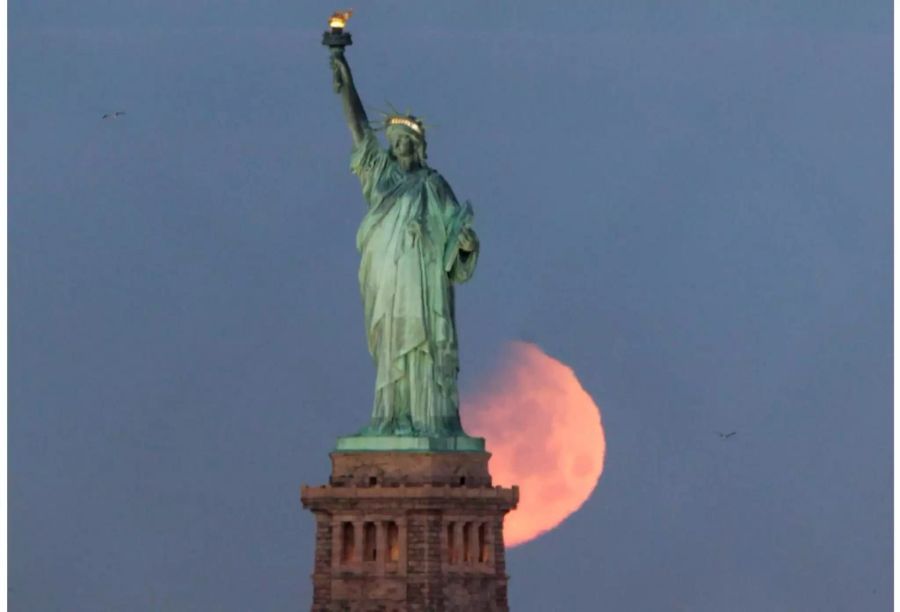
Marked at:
<point>415,242</point>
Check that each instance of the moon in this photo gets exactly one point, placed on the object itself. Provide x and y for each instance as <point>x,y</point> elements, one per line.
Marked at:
<point>544,434</point>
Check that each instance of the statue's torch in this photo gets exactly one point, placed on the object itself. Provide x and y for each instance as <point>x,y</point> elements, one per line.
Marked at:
<point>335,38</point>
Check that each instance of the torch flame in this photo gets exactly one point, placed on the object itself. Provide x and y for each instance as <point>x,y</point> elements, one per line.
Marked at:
<point>339,19</point>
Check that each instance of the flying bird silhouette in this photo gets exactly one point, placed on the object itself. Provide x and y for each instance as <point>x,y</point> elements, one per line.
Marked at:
<point>114,115</point>
<point>726,435</point>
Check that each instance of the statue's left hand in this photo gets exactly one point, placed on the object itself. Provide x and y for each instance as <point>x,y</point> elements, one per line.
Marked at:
<point>467,240</point>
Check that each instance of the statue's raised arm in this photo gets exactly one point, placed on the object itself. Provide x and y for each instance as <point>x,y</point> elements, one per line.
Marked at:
<point>337,39</point>
<point>354,112</point>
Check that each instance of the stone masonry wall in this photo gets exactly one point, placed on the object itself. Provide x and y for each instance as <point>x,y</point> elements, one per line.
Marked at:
<point>434,503</point>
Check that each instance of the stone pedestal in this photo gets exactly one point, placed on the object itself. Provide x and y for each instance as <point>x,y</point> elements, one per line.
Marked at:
<point>409,532</point>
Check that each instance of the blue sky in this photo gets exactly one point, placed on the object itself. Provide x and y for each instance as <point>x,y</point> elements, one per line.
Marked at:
<point>689,203</point>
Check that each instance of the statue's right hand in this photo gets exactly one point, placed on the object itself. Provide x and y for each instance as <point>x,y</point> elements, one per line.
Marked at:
<point>340,73</point>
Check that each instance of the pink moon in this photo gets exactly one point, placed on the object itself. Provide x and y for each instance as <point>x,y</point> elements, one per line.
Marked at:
<point>544,434</point>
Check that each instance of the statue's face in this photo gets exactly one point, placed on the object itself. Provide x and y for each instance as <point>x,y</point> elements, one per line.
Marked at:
<point>402,145</point>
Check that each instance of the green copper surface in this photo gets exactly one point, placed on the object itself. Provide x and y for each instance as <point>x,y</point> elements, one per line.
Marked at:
<point>409,443</point>
<point>415,241</point>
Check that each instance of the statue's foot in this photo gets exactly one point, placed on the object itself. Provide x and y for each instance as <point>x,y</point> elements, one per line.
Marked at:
<point>403,427</point>
<point>395,427</point>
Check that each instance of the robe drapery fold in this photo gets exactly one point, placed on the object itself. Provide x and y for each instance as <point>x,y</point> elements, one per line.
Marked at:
<point>408,242</point>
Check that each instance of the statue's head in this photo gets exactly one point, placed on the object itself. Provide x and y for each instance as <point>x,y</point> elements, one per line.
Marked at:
<point>406,137</point>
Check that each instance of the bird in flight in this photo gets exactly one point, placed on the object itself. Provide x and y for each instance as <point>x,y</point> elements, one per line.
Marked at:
<point>114,115</point>
<point>726,435</point>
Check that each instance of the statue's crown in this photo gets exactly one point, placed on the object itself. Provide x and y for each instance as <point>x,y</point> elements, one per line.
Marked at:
<point>411,122</point>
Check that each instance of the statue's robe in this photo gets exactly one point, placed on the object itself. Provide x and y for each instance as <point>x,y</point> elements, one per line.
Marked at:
<point>408,241</point>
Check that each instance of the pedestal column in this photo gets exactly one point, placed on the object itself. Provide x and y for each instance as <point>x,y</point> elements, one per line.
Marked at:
<point>424,495</point>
